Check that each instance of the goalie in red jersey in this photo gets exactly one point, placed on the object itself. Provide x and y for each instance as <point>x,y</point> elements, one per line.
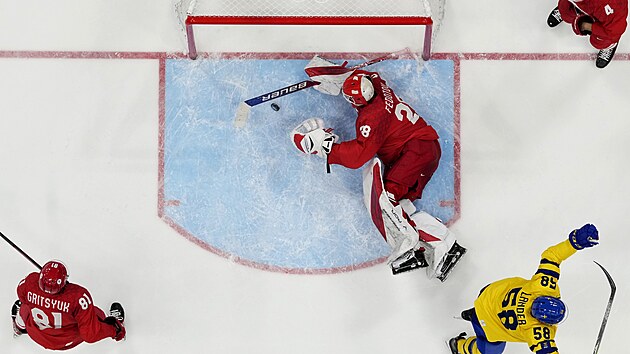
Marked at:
<point>603,20</point>
<point>404,153</point>
<point>59,315</point>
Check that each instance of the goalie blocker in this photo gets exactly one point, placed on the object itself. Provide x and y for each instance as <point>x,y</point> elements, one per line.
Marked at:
<point>418,240</point>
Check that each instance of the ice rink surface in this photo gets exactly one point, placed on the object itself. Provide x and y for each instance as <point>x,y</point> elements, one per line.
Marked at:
<point>224,187</point>
<point>543,142</point>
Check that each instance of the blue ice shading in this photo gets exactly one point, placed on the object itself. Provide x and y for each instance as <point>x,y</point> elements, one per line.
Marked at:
<point>248,192</point>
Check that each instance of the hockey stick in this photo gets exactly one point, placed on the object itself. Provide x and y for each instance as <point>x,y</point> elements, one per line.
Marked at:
<point>613,290</point>
<point>242,112</point>
<point>21,252</point>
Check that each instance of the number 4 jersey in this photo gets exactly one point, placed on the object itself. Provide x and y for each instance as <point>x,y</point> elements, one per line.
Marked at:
<point>504,307</point>
<point>61,321</point>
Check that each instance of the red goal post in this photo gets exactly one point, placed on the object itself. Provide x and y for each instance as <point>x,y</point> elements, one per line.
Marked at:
<point>306,13</point>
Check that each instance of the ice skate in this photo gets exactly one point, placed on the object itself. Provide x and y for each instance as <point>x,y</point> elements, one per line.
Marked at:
<point>408,261</point>
<point>117,311</point>
<point>452,343</point>
<point>450,260</point>
<point>117,319</point>
<point>554,18</point>
<point>468,314</point>
<point>605,56</point>
<point>15,309</point>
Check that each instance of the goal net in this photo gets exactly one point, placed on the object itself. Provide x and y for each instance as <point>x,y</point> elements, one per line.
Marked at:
<point>192,13</point>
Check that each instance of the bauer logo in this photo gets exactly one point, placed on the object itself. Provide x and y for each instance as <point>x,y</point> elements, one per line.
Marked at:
<point>285,91</point>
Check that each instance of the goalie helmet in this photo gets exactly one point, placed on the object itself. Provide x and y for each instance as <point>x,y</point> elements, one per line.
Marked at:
<point>53,277</point>
<point>358,89</point>
<point>549,310</point>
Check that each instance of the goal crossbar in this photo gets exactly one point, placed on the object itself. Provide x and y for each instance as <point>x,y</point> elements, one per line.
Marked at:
<point>192,20</point>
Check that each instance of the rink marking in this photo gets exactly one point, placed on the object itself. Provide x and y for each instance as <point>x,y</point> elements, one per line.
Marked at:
<point>267,267</point>
<point>173,217</point>
<point>161,57</point>
<point>306,55</point>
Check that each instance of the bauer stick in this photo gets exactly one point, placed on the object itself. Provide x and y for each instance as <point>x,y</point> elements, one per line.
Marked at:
<point>613,290</point>
<point>21,252</point>
<point>244,108</point>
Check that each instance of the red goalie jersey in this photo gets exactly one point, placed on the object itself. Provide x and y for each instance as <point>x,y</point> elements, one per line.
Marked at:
<point>390,129</point>
<point>61,321</point>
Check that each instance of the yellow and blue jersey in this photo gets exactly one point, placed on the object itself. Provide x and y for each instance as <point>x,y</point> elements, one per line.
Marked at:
<point>504,307</point>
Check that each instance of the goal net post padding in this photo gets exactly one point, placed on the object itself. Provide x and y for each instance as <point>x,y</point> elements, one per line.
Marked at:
<point>192,13</point>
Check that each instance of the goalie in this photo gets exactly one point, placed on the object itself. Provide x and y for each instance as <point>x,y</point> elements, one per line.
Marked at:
<point>407,154</point>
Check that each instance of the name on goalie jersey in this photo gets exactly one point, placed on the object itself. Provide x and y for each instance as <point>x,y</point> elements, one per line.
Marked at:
<point>284,91</point>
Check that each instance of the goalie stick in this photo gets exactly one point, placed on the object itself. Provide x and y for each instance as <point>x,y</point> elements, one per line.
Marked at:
<point>21,252</point>
<point>613,290</point>
<point>242,112</point>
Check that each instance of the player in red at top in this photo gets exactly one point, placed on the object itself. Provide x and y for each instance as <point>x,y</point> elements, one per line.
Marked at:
<point>407,154</point>
<point>603,20</point>
<point>59,315</point>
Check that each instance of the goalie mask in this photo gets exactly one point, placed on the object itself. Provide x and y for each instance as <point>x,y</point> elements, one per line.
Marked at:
<point>53,277</point>
<point>358,89</point>
<point>549,310</point>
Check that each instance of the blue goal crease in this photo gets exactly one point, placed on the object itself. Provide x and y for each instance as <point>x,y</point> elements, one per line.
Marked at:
<point>249,193</point>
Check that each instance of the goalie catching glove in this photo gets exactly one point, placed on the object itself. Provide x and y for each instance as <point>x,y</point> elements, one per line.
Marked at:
<point>311,138</point>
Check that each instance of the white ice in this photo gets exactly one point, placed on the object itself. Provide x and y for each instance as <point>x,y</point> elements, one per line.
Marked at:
<point>543,150</point>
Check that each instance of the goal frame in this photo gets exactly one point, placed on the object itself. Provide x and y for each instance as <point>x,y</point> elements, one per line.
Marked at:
<point>197,20</point>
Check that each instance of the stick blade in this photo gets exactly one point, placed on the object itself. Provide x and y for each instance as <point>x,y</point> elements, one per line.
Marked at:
<point>613,286</point>
<point>242,115</point>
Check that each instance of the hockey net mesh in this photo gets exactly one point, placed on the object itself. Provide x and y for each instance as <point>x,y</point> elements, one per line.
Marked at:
<point>329,9</point>
<point>308,8</point>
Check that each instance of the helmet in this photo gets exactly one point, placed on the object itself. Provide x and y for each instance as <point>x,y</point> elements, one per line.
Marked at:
<point>358,89</point>
<point>53,277</point>
<point>549,310</point>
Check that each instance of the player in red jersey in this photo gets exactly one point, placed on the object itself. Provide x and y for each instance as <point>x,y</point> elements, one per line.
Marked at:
<point>603,20</point>
<point>407,154</point>
<point>59,315</point>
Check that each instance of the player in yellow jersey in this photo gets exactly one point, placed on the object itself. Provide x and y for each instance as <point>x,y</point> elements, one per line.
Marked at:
<point>521,310</point>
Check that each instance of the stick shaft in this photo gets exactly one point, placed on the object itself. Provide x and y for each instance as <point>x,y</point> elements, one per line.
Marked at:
<point>266,97</point>
<point>613,290</point>
<point>21,252</point>
<point>280,92</point>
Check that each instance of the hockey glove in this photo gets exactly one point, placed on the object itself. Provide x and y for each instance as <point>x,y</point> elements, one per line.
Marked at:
<point>120,328</point>
<point>584,237</point>
<point>577,24</point>
<point>311,138</point>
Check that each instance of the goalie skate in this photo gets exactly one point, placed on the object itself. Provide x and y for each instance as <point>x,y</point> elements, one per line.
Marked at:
<point>450,260</point>
<point>408,261</point>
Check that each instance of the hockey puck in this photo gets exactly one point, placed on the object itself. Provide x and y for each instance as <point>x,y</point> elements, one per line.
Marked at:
<point>275,107</point>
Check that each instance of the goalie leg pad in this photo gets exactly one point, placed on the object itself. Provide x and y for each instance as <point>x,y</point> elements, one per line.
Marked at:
<point>439,240</point>
<point>390,220</point>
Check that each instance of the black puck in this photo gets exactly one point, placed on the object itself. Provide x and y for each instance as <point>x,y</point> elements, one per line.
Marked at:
<point>275,107</point>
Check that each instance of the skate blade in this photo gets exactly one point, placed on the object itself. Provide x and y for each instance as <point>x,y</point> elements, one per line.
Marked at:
<point>460,253</point>
<point>406,269</point>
